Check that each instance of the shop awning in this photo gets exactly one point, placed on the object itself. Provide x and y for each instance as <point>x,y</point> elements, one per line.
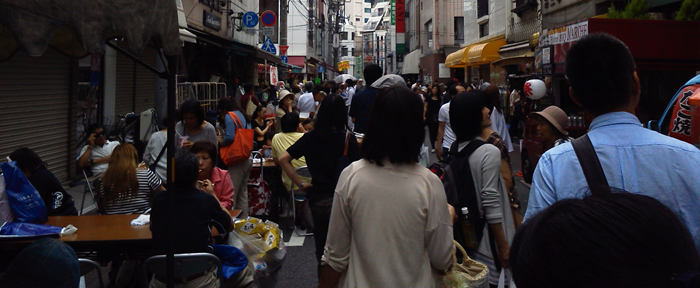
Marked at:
<point>187,36</point>
<point>484,53</point>
<point>262,56</point>
<point>297,60</point>
<point>515,60</point>
<point>78,28</point>
<point>411,62</point>
<point>454,60</point>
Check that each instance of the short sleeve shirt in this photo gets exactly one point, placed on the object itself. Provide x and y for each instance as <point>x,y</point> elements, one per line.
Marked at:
<point>100,152</point>
<point>148,182</point>
<point>448,135</point>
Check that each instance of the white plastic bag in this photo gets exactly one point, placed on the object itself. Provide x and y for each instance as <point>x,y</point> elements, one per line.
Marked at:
<point>505,274</point>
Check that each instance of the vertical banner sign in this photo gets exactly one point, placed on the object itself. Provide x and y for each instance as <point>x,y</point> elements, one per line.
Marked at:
<point>392,11</point>
<point>273,75</point>
<point>400,26</point>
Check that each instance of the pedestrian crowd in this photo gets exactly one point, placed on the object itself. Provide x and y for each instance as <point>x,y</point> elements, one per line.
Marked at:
<point>380,219</point>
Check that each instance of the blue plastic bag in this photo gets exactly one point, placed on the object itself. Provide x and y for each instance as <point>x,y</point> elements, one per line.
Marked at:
<point>26,203</point>
<point>232,260</point>
<point>22,231</point>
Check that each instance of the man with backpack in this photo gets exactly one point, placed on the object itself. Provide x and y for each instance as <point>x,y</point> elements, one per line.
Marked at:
<point>473,180</point>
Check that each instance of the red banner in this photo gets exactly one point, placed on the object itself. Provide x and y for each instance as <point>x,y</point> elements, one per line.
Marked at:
<point>400,17</point>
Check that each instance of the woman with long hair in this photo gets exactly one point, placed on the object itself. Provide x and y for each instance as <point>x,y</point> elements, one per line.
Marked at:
<point>432,108</point>
<point>260,126</point>
<point>469,116</point>
<point>240,172</point>
<point>327,150</point>
<point>123,188</point>
<point>387,197</point>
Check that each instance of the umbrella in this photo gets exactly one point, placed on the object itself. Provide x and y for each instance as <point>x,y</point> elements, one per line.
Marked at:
<point>343,77</point>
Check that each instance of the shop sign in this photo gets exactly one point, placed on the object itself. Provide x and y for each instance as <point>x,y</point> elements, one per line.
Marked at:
<point>392,10</point>
<point>212,21</point>
<point>565,34</point>
<point>273,75</point>
<point>344,65</point>
<point>443,71</point>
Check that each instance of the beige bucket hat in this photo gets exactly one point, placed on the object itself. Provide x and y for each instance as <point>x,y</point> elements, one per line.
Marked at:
<point>556,117</point>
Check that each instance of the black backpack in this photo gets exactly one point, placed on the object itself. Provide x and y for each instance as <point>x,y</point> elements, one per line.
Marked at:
<point>460,191</point>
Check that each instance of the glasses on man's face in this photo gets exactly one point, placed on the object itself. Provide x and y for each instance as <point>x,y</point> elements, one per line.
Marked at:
<point>99,134</point>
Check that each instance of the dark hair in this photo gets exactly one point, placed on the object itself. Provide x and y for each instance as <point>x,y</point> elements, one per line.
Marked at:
<point>372,72</point>
<point>193,107</point>
<point>617,240</point>
<point>257,110</point>
<point>493,95</point>
<point>332,114</point>
<point>308,86</point>
<point>204,146</point>
<point>27,159</point>
<point>307,121</point>
<point>395,127</point>
<point>94,126</point>
<point>247,87</point>
<point>226,105</point>
<point>290,122</point>
<point>295,89</point>
<point>349,82</point>
<point>318,88</point>
<point>186,168</point>
<point>466,114</point>
<point>453,89</point>
<point>599,68</point>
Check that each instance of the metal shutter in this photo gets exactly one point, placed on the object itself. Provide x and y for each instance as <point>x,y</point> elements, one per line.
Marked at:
<point>34,108</point>
<point>142,90</point>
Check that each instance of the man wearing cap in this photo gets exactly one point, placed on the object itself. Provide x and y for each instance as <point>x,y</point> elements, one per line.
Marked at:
<point>601,72</point>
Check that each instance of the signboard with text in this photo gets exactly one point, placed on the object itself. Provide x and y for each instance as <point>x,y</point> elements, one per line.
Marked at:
<point>273,75</point>
<point>212,21</point>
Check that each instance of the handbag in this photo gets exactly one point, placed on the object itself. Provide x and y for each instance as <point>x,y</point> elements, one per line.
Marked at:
<point>250,106</point>
<point>469,273</point>
<point>26,203</point>
<point>242,144</point>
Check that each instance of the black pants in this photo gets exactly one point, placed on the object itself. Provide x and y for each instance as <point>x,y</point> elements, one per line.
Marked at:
<point>433,131</point>
<point>321,213</point>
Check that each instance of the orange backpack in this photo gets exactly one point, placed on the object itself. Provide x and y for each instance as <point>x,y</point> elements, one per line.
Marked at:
<point>242,144</point>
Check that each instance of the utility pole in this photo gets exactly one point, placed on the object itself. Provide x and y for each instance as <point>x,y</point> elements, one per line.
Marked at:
<point>338,9</point>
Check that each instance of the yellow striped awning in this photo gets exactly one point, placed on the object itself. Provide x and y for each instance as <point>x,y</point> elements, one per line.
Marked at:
<point>484,53</point>
<point>454,60</point>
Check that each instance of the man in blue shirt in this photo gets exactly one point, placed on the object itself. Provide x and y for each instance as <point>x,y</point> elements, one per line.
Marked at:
<point>362,101</point>
<point>600,70</point>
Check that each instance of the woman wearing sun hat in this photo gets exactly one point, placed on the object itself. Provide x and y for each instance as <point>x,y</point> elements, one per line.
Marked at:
<point>550,125</point>
<point>286,106</point>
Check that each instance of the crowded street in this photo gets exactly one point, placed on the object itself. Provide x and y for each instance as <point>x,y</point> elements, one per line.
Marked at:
<point>355,143</point>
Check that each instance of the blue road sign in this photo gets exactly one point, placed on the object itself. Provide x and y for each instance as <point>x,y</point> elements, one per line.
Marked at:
<point>250,19</point>
<point>268,46</point>
<point>284,59</point>
<point>268,18</point>
<point>321,69</point>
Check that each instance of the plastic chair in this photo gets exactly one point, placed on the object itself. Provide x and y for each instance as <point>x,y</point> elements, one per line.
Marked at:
<point>185,265</point>
<point>88,187</point>
<point>302,171</point>
<point>87,265</point>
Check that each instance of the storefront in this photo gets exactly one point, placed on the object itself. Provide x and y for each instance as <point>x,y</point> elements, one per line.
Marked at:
<point>662,67</point>
<point>477,60</point>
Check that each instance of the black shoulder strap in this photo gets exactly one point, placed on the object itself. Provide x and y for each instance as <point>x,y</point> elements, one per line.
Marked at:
<point>467,151</point>
<point>591,166</point>
<point>162,150</point>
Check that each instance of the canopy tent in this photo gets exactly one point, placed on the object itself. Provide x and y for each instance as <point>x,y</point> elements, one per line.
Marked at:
<point>77,28</point>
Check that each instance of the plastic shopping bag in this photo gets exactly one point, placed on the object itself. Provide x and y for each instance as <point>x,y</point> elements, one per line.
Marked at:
<point>232,259</point>
<point>23,231</point>
<point>26,203</point>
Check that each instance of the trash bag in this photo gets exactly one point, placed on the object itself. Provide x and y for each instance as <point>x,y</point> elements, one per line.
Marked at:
<point>266,259</point>
<point>26,203</point>
<point>232,260</point>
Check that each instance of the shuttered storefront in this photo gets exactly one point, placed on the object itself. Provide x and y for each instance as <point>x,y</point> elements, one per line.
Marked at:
<point>34,108</point>
<point>136,85</point>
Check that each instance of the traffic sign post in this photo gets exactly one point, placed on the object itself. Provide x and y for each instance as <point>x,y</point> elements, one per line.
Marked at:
<point>250,19</point>
<point>284,59</point>
<point>268,18</point>
<point>268,46</point>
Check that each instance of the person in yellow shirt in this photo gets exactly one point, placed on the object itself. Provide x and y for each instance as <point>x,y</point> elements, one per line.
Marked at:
<point>291,132</point>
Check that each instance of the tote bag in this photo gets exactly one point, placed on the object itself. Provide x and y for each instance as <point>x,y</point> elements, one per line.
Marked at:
<point>242,144</point>
<point>26,203</point>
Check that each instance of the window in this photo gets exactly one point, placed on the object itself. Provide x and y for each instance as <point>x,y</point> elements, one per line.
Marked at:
<point>343,36</point>
<point>482,8</point>
<point>459,29</point>
<point>352,35</point>
<point>484,30</point>
<point>380,11</point>
<point>368,1</point>
<point>429,29</point>
<point>357,19</point>
<point>366,19</point>
<point>344,51</point>
<point>368,10</point>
